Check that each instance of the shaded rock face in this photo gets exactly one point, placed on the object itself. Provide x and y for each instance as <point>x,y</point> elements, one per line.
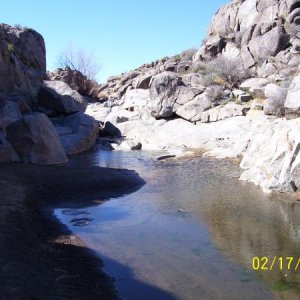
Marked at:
<point>59,98</point>
<point>22,61</point>
<point>35,140</point>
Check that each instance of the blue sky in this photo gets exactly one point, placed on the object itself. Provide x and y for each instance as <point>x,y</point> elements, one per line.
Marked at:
<point>122,34</point>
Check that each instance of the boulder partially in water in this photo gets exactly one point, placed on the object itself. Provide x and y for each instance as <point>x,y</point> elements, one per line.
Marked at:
<point>35,140</point>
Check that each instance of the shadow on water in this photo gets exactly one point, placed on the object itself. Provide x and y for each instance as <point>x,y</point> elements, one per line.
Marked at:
<point>123,277</point>
<point>37,256</point>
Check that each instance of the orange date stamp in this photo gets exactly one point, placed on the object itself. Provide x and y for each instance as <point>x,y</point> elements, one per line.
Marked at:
<point>264,263</point>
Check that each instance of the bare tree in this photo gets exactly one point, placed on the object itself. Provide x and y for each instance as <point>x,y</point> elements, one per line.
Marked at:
<point>79,60</point>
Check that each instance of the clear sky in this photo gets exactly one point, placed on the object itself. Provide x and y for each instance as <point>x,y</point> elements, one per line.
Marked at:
<point>122,34</point>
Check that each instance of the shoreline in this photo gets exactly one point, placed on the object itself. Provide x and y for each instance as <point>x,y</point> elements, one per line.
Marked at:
<point>40,257</point>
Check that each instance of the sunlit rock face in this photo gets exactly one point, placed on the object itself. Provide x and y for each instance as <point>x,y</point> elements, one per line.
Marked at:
<point>258,30</point>
<point>186,101</point>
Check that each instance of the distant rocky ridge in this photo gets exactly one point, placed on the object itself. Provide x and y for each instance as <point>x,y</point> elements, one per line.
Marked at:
<point>41,121</point>
<point>236,96</point>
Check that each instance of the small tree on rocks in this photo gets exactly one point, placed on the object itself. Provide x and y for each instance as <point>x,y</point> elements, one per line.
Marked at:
<point>79,60</point>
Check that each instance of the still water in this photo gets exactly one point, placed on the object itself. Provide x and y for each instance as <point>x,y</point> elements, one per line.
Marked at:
<point>191,232</point>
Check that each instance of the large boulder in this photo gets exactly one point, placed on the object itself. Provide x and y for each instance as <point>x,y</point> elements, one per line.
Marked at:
<point>35,140</point>
<point>163,94</point>
<point>269,44</point>
<point>168,93</point>
<point>78,132</point>
<point>193,109</point>
<point>59,98</point>
<point>22,61</point>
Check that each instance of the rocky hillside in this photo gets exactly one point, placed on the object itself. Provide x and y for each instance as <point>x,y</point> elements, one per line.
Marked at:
<point>236,96</point>
<point>41,121</point>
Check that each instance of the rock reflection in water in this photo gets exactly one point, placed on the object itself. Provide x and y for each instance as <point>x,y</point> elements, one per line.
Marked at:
<point>245,228</point>
<point>193,230</point>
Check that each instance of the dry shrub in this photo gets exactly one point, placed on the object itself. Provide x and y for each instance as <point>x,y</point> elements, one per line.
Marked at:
<point>276,99</point>
<point>215,94</point>
<point>226,72</point>
<point>187,55</point>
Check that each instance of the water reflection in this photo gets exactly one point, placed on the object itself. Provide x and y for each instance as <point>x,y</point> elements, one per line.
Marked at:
<point>193,230</point>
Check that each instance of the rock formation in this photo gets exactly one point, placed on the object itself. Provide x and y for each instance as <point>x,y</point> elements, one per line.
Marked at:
<point>30,105</point>
<point>235,96</point>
